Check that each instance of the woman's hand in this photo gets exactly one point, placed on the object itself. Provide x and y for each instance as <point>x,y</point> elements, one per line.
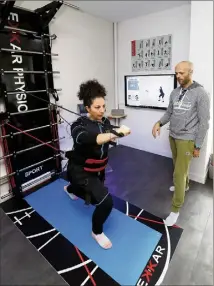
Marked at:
<point>124,129</point>
<point>102,138</point>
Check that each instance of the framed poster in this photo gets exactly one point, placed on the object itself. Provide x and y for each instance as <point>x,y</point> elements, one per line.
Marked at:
<point>152,54</point>
<point>149,91</point>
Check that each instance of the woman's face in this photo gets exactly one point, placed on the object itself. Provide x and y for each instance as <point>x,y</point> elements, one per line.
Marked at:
<point>97,109</point>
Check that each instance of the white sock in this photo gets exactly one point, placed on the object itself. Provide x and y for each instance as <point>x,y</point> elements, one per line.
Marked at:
<point>72,196</point>
<point>171,219</point>
<point>102,240</point>
<point>172,189</point>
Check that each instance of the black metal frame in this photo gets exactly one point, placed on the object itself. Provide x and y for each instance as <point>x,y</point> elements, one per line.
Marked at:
<point>27,52</point>
<point>29,149</point>
<point>45,13</point>
<point>41,32</point>
<point>29,130</point>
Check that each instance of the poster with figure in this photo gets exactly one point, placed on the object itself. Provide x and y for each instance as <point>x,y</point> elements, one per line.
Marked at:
<point>146,52</point>
<point>149,91</point>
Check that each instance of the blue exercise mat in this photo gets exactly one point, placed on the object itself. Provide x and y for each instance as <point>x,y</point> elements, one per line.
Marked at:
<point>133,242</point>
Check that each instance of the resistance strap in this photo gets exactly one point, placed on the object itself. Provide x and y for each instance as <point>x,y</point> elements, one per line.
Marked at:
<point>78,114</point>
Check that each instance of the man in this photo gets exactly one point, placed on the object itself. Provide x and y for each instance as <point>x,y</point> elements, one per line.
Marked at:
<point>161,94</point>
<point>188,113</point>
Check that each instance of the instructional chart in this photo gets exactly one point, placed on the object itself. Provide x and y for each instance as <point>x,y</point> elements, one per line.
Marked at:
<point>152,54</point>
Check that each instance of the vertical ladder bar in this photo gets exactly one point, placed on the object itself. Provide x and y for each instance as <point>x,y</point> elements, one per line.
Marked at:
<point>15,178</point>
<point>45,64</point>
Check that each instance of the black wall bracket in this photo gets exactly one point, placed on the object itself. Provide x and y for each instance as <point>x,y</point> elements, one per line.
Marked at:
<point>45,13</point>
<point>48,11</point>
<point>5,11</point>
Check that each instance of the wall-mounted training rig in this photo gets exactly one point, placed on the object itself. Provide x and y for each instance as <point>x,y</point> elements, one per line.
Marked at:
<point>26,70</point>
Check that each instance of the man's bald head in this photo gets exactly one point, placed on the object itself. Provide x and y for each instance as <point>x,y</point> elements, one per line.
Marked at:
<point>186,65</point>
<point>184,71</point>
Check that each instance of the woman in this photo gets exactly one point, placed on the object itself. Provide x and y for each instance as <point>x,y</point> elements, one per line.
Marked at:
<point>88,159</point>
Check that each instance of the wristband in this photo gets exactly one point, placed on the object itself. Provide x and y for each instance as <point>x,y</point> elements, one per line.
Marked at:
<point>160,123</point>
<point>197,148</point>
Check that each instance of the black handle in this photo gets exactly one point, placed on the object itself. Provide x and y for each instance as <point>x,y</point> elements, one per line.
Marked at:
<point>116,133</point>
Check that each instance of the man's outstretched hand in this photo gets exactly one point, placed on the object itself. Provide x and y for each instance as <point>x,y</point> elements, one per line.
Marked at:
<point>156,129</point>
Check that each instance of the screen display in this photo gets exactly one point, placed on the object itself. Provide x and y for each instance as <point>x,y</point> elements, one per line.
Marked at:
<point>149,91</point>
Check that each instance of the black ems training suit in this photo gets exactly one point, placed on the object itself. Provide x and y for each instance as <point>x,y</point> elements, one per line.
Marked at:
<point>86,168</point>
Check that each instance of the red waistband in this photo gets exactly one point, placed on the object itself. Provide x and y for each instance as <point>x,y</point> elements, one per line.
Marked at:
<point>96,161</point>
<point>95,165</point>
<point>95,169</point>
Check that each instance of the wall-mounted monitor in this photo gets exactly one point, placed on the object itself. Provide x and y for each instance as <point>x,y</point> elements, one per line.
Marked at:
<point>149,91</point>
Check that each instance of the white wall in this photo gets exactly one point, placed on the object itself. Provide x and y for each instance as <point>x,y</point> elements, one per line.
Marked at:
<point>173,21</point>
<point>85,47</point>
<point>201,54</point>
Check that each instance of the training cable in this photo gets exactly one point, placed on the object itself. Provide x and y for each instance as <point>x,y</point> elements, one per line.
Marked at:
<point>70,111</point>
<point>109,126</point>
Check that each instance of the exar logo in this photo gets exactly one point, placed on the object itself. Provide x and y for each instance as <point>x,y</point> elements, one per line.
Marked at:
<point>17,62</point>
<point>146,276</point>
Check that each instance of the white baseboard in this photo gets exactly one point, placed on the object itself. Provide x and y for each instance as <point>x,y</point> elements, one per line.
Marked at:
<point>197,178</point>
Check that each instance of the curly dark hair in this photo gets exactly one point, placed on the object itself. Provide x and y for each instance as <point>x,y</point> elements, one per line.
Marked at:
<point>90,90</point>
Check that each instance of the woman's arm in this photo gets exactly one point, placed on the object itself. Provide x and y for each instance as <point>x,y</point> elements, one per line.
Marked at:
<point>105,137</point>
<point>81,135</point>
